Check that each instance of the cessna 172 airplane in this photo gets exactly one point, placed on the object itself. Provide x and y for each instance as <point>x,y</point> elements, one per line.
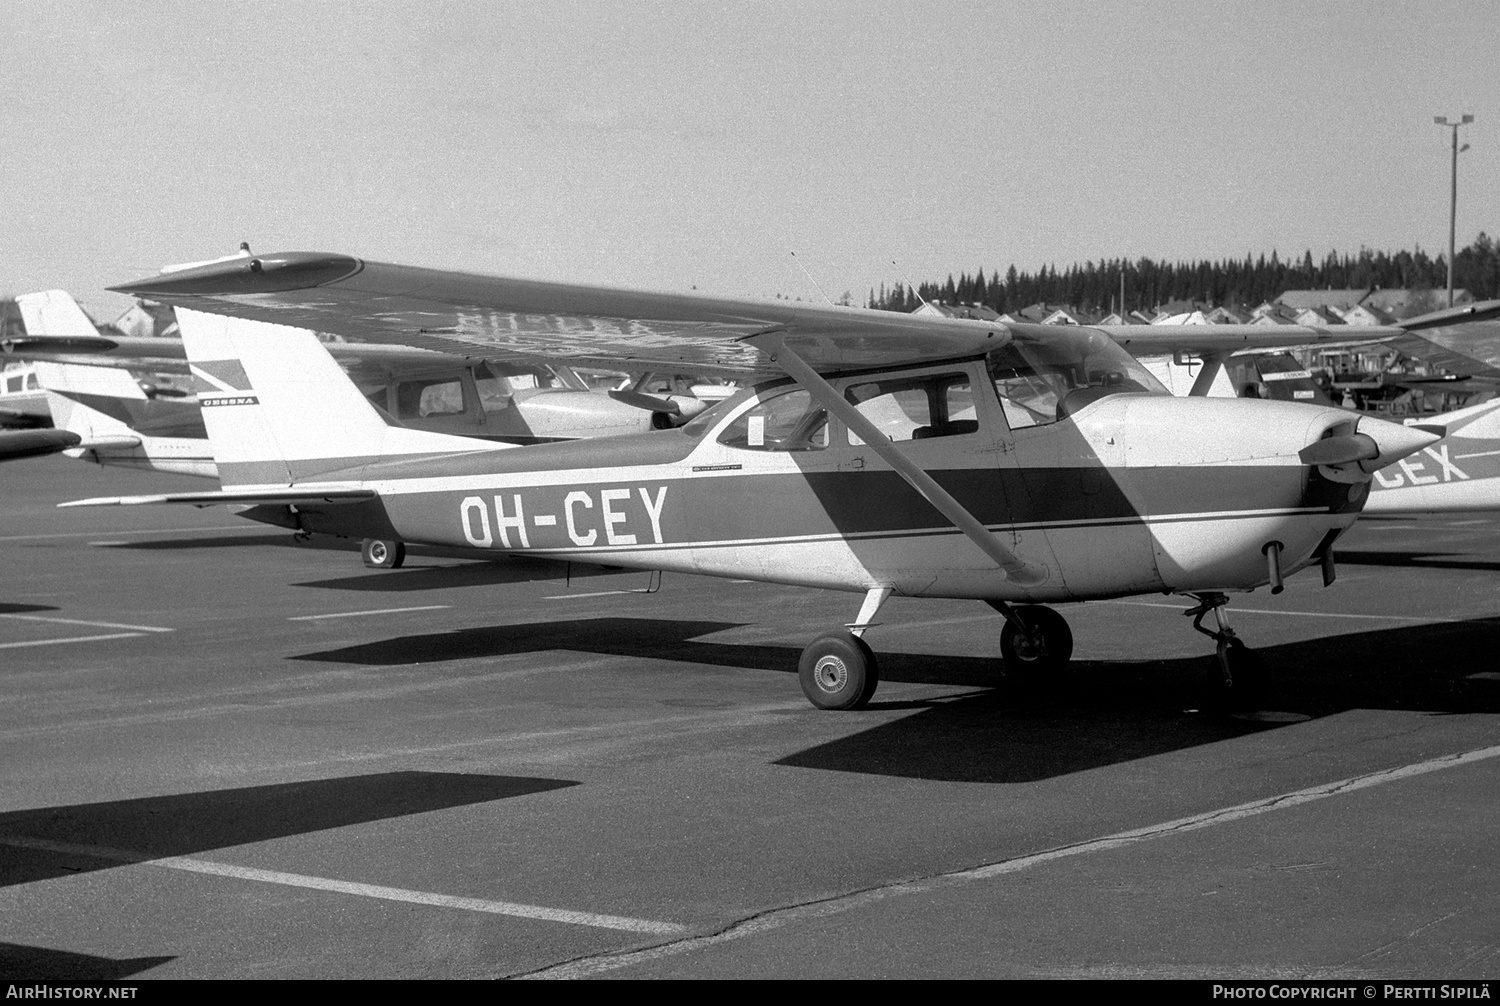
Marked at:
<point>932,457</point>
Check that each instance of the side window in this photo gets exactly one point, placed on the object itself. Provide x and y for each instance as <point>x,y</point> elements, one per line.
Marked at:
<point>787,422</point>
<point>916,408</point>
<point>420,399</point>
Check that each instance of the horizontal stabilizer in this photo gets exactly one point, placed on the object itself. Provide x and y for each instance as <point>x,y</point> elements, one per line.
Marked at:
<point>308,496</point>
<point>648,402</point>
<point>110,443</point>
<point>54,312</point>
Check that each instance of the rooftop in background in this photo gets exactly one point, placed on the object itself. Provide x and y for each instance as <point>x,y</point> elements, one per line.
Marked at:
<point>942,310</point>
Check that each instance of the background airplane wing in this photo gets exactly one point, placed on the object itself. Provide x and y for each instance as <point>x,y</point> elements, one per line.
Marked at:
<point>532,321</point>
<point>307,495</point>
<point>30,443</point>
<point>1459,339</point>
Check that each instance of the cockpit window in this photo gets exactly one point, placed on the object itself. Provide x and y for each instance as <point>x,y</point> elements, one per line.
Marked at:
<point>423,398</point>
<point>790,421</point>
<point>1042,380</point>
<point>916,408</point>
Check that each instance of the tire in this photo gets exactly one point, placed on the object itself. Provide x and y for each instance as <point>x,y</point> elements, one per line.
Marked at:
<point>380,554</point>
<point>1047,651</point>
<point>1236,679</point>
<point>838,671</point>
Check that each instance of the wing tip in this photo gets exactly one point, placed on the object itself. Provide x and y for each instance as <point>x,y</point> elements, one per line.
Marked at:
<point>272,273</point>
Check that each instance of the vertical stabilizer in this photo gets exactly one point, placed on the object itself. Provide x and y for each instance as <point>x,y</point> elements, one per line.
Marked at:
<point>279,410</point>
<point>89,401</point>
<point>54,312</point>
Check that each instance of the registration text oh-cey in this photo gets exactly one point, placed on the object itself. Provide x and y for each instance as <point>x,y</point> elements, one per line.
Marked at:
<point>613,514</point>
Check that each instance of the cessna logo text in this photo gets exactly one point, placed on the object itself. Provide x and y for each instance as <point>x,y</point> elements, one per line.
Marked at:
<point>588,517</point>
<point>209,403</point>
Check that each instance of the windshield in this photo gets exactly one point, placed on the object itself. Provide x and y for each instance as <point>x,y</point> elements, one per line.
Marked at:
<point>1043,379</point>
<point>700,424</point>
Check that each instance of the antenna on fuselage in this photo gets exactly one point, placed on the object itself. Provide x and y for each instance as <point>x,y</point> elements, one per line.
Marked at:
<point>810,279</point>
<point>915,292</point>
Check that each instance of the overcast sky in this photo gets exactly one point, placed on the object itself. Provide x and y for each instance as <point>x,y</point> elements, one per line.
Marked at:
<point>676,145</point>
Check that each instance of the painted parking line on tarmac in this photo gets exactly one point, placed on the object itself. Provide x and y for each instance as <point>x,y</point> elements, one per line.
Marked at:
<point>135,629</point>
<point>593,593</point>
<point>70,639</point>
<point>1236,610</point>
<point>190,864</point>
<point>589,966</point>
<point>376,611</point>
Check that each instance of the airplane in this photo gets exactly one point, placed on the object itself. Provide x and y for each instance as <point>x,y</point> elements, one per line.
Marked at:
<point>119,425</point>
<point>877,453</point>
<point>22,402</point>
<point>419,388</point>
<point>1458,474</point>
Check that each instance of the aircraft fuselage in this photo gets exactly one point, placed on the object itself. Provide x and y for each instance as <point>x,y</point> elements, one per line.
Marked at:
<point>1131,493</point>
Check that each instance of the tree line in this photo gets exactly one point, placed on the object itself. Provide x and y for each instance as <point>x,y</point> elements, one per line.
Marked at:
<point>1235,283</point>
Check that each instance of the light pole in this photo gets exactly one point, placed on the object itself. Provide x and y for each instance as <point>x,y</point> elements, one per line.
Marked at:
<point>1442,120</point>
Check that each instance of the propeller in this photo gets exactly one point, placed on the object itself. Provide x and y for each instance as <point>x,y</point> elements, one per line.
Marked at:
<point>1355,449</point>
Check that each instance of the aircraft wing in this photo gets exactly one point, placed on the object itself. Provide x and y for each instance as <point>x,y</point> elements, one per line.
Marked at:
<point>161,353</point>
<point>493,317</point>
<point>1205,340</point>
<point>1461,340</point>
<point>30,443</point>
<point>533,321</point>
<point>308,495</point>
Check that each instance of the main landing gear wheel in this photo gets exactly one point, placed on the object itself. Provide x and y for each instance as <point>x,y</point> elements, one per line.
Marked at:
<point>1046,646</point>
<point>838,671</point>
<point>379,554</point>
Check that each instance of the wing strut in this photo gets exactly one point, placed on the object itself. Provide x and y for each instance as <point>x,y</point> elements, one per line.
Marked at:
<point>1212,364</point>
<point>1017,570</point>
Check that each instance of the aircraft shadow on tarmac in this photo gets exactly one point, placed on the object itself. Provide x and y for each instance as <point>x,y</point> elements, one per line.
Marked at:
<point>1427,559</point>
<point>1098,713</point>
<point>24,963</point>
<point>187,823</point>
<point>21,609</point>
<point>465,573</point>
<point>476,574</point>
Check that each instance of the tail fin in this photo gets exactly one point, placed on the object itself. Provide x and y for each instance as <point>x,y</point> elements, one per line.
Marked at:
<point>279,410</point>
<point>54,312</point>
<point>91,401</point>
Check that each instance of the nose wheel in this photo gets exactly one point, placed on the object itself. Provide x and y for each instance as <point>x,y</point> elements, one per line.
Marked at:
<point>838,671</point>
<point>1235,679</point>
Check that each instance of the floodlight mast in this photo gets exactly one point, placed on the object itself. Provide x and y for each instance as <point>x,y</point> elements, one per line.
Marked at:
<point>1442,120</point>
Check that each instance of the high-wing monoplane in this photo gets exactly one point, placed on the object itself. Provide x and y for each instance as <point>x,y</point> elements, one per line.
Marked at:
<point>877,453</point>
